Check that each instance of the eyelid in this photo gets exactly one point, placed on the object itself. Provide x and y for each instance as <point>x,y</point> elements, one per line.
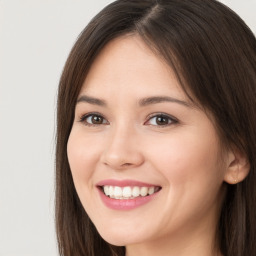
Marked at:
<point>170,117</point>
<point>173,120</point>
<point>83,117</point>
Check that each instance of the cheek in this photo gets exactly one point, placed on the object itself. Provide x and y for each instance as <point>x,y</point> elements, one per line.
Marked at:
<point>193,176</point>
<point>187,158</point>
<point>82,154</point>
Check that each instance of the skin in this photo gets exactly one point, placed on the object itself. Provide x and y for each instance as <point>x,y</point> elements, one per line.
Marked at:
<point>184,157</point>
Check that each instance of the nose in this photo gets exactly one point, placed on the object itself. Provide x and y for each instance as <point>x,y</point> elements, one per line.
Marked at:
<point>122,151</point>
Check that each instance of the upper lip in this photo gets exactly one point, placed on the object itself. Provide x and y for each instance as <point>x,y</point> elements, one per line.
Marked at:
<point>124,183</point>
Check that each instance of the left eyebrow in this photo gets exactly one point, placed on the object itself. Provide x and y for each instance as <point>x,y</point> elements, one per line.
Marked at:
<point>91,100</point>
<point>159,99</point>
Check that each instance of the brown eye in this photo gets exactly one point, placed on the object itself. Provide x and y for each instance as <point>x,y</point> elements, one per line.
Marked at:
<point>96,119</point>
<point>93,119</point>
<point>161,120</point>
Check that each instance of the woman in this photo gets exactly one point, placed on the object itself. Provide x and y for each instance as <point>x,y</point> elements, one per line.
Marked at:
<point>156,133</point>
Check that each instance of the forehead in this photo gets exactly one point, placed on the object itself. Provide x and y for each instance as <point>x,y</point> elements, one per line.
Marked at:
<point>127,63</point>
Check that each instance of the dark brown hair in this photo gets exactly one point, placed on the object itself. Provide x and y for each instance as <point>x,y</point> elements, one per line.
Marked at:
<point>213,54</point>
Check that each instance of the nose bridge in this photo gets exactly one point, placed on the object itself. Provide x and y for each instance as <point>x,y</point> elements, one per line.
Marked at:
<point>122,149</point>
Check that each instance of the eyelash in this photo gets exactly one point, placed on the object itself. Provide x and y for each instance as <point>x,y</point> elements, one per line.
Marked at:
<point>171,120</point>
<point>84,117</point>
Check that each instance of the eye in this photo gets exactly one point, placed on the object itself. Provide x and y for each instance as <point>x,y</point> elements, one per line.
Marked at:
<point>161,120</point>
<point>93,119</point>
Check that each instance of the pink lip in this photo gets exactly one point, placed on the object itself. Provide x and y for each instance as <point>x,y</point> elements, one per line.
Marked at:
<point>124,183</point>
<point>124,204</point>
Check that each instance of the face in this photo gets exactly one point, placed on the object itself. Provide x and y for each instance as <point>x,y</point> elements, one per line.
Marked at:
<point>145,161</point>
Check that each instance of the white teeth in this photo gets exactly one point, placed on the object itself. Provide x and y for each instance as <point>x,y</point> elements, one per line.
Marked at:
<point>111,191</point>
<point>118,192</point>
<point>143,191</point>
<point>106,190</point>
<point>135,191</point>
<point>151,190</point>
<point>128,192</point>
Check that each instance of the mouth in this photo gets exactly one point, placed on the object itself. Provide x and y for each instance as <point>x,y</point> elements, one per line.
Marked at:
<point>128,192</point>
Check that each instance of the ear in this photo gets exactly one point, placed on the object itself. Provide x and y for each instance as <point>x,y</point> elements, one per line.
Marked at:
<point>238,167</point>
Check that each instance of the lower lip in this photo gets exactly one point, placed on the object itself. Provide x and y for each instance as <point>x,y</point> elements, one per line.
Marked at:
<point>125,204</point>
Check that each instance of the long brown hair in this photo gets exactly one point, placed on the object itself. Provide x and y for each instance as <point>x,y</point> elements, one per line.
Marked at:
<point>213,54</point>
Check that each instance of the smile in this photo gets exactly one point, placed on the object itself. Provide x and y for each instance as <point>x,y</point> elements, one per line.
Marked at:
<point>128,192</point>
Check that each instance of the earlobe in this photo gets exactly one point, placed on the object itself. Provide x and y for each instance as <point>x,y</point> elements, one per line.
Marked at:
<point>238,167</point>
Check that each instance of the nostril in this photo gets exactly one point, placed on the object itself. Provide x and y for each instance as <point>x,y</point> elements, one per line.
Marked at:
<point>126,164</point>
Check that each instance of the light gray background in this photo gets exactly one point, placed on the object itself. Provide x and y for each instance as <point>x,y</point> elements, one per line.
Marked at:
<point>35,39</point>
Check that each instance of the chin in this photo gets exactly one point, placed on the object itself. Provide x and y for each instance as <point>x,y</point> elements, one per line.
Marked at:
<point>115,239</point>
<point>119,238</point>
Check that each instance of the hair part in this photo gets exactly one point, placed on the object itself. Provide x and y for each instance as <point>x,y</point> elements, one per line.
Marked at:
<point>213,54</point>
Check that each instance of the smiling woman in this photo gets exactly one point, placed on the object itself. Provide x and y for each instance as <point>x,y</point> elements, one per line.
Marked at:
<point>156,143</point>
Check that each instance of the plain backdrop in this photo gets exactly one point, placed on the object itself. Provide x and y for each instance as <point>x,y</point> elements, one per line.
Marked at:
<point>35,39</point>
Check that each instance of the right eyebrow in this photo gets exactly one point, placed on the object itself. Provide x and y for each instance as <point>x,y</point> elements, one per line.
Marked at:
<point>92,100</point>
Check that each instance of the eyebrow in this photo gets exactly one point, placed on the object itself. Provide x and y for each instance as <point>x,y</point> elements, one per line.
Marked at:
<point>142,102</point>
<point>92,100</point>
<point>160,99</point>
